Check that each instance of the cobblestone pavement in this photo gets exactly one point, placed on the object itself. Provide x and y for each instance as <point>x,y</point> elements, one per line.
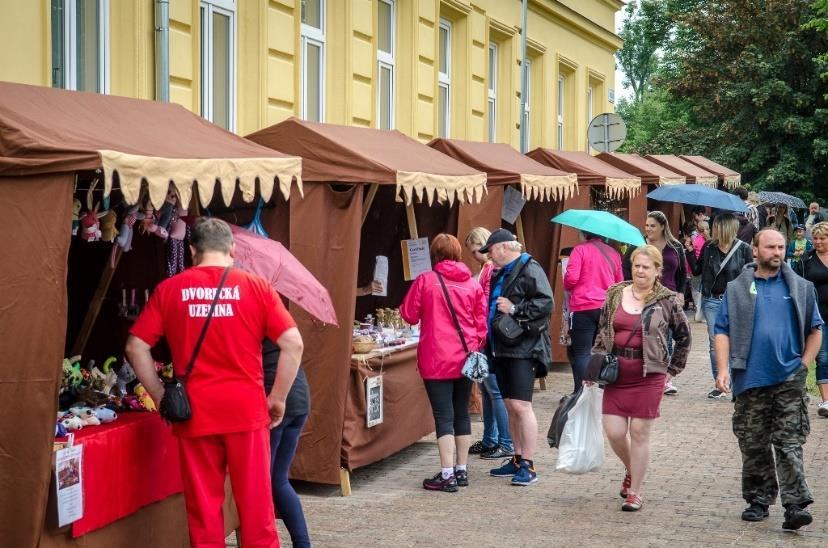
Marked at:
<point>691,495</point>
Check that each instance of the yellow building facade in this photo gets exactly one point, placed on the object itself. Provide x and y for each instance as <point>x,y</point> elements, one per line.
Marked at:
<point>428,68</point>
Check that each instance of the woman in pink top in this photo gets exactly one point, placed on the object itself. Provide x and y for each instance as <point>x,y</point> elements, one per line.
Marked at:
<point>593,267</point>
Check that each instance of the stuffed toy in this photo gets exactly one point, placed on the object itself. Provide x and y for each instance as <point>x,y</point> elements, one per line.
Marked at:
<point>108,230</point>
<point>72,422</point>
<point>131,403</point>
<point>60,430</point>
<point>167,211</point>
<point>144,398</point>
<point>124,239</point>
<point>86,414</point>
<point>105,415</point>
<point>149,224</point>
<point>109,376</point>
<point>76,209</point>
<point>125,376</point>
<point>90,398</point>
<point>72,375</point>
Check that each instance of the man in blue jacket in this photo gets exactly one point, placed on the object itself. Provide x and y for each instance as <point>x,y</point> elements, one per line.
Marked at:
<point>767,332</point>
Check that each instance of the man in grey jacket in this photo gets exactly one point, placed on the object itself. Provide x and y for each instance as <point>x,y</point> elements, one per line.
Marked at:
<point>767,332</point>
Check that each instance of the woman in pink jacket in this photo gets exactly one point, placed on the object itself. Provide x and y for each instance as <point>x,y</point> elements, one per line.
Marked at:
<point>593,267</point>
<point>440,354</point>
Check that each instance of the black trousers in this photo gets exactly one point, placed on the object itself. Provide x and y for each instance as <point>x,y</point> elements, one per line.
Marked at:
<point>583,332</point>
<point>450,405</point>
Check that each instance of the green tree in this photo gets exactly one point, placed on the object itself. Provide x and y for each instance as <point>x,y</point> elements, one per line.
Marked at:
<point>646,28</point>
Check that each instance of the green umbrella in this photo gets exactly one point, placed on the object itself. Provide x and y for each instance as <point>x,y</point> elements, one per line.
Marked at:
<point>602,223</point>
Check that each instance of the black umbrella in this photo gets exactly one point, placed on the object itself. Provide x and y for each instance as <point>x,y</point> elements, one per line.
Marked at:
<point>767,197</point>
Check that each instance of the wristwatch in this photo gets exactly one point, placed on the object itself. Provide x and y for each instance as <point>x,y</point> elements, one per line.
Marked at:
<point>512,310</point>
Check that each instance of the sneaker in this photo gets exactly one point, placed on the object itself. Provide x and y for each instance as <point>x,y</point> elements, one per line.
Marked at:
<point>462,477</point>
<point>508,468</point>
<point>478,447</point>
<point>625,487</point>
<point>438,483</point>
<point>796,517</point>
<point>632,503</point>
<point>526,475</point>
<point>755,512</point>
<point>715,394</point>
<point>822,410</point>
<point>670,390</point>
<point>496,453</point>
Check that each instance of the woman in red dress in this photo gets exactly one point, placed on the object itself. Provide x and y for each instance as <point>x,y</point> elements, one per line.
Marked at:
<point>634,326</point>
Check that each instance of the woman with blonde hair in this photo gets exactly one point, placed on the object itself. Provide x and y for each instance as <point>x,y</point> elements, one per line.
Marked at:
<point>634,324</point>
<point>721,261</point>
<point>496,442</point>
<point>815,269</point>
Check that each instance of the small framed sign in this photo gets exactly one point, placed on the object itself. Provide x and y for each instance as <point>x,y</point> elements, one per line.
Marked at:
<point>373,401</point>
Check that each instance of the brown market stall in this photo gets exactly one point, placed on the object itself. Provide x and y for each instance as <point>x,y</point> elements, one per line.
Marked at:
<point>728,178</point>
<point>692,173</point>
<point>49,141</point>
<point>602,186</point>
<point>366,190</point>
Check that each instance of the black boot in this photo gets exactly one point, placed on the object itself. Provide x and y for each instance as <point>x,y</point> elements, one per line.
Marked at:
<point>755,512</point>
<point>796,517</point>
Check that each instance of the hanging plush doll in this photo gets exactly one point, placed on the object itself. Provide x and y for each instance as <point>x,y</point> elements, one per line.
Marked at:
<point>108,230</point>
<point>76,208</point>
<point>125,237</point>
<point>153,219</point>
<point>90,222</point>
<point>175,245</point>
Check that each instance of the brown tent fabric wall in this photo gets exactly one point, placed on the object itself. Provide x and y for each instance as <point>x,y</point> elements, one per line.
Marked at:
<point>485,214</point>
<point>324,236</point>
<point>36,216</point>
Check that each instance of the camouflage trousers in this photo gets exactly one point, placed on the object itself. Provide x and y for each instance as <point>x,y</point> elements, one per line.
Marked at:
<point>768,421</point>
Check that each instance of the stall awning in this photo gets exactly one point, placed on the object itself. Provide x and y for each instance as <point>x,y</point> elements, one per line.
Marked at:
<point>505,165</point>
<point>348,154</point>
<point>650,173</point>
<point>590,170</point>
<point>727,176</point>
<point>47,130</point>
<point>692,172</point>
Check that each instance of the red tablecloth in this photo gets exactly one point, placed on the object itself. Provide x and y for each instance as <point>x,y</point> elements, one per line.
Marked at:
<point>127,464</point>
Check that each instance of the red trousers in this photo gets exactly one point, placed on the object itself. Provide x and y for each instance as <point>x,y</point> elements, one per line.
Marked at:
<point>205,461</point>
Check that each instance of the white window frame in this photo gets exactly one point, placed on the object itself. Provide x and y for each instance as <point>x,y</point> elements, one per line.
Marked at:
<point>444,78</point>
<point>387,60</point>
<point>311,35</point>
<point>561,106</point>
<point>527,111</point>
<point>227,8</point>
<point>492,92</point>
<point>70,50</point>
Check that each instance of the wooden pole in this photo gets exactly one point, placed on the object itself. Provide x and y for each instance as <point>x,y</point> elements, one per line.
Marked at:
<point>95,305</point>
<point>412,221</point>
<point>366,207</point>
<point>519,227</point>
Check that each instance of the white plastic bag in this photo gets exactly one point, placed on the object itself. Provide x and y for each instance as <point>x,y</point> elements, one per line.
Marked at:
<point>581,447</point>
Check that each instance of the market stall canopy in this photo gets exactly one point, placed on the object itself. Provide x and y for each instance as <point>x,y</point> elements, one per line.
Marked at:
<point>692,172</point>
<point>727,176</point>
<point>505,165</point>
<point>650,173</point>
<point>47,130</point>
<point>590,170</point>
<point>348,154</point>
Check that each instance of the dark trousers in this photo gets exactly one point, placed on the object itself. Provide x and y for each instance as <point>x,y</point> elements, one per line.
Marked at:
<point>767,421</point>
<point>283,441</point>
<point>584,329</point>
<point>450,405</point>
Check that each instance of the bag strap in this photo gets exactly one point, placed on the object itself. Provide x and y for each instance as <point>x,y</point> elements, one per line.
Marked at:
<point>453,313</point>
<point>206,324</point>
<point>604,253</point>
<point>632,333</point>
<point>513,276</point>
<point>737,243</point>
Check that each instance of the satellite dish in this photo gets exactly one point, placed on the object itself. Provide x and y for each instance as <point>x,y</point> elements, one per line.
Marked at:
<point>606,132</point>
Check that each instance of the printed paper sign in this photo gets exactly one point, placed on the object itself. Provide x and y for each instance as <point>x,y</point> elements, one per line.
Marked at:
<point>513,202</point>
<point>416,257</point>
<point>373,401</point>
<point>69,484</point>
<point>381,275</point>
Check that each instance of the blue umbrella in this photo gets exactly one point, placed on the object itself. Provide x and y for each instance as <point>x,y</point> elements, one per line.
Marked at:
<point>602,223</point>
<point>698,195</point>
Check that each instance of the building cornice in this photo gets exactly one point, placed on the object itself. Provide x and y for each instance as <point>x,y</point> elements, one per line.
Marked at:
<point>556,11</point>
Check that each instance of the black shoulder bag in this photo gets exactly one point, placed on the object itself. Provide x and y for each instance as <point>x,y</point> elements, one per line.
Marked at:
<point>603,366</point>
<point>175,405</point>
<point>507,329</point>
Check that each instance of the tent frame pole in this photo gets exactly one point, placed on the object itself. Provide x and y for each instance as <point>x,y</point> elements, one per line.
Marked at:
<point>412,221</point>
<point>369,201</point>
<point>97,300</point>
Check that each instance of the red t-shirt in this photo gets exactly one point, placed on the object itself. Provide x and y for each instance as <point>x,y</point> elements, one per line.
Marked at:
<point>226,384</point>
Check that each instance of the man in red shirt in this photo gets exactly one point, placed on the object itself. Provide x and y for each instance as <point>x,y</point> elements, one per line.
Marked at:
<point>228,430</point>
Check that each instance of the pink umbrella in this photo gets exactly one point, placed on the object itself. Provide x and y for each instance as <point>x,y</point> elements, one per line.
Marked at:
<point>273,262</point>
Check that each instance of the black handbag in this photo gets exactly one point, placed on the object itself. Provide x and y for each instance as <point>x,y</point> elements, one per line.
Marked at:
<point>175,405</point>
<point>603,366</point>
<point>507,329</point>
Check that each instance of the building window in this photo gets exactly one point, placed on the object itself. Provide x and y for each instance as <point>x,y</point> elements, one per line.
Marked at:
<point>313,60</point>
<point>561,92</point>
<point>492,92</point>
<point>218,62</point>
<point>526,119</point>
<point>80,45</point>
<point>444,80</point>
<point>386,29</point>
<point>590,95</point>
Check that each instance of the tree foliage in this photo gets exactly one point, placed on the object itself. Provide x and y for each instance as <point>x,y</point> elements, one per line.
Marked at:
<point>645,31</point>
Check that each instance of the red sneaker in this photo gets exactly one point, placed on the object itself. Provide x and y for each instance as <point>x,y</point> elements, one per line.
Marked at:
<point>632,503</point>
<point>625,487</point>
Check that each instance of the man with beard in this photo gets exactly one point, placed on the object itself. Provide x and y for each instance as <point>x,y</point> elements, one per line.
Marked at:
<point>768,331</point>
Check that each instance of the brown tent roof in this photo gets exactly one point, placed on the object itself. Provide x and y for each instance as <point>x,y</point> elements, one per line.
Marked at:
<point>650,172</point>
<point>351,154</point>
<point>590,170</point>
<point>727,176</point>
<point>694,173</point>
<point>46,130</point>
<point>505,165</point>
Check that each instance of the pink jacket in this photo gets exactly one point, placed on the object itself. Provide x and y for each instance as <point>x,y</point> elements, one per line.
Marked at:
<point>485,278</point>
<point>440,353</point>
<point>588,275</point>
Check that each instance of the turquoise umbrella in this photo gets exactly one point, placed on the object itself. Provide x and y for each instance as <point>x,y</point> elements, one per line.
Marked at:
<point>602,223</point>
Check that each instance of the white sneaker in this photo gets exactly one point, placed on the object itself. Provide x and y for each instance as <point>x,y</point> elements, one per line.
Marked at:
<point>822,410</point>
<point>671,390</point>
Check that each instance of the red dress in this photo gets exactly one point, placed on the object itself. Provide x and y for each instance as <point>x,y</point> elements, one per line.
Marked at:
<point>633,394</point>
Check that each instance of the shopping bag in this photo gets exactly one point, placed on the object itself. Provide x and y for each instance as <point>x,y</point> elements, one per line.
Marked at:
<point>553,435</point>
<point>581,446</point>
